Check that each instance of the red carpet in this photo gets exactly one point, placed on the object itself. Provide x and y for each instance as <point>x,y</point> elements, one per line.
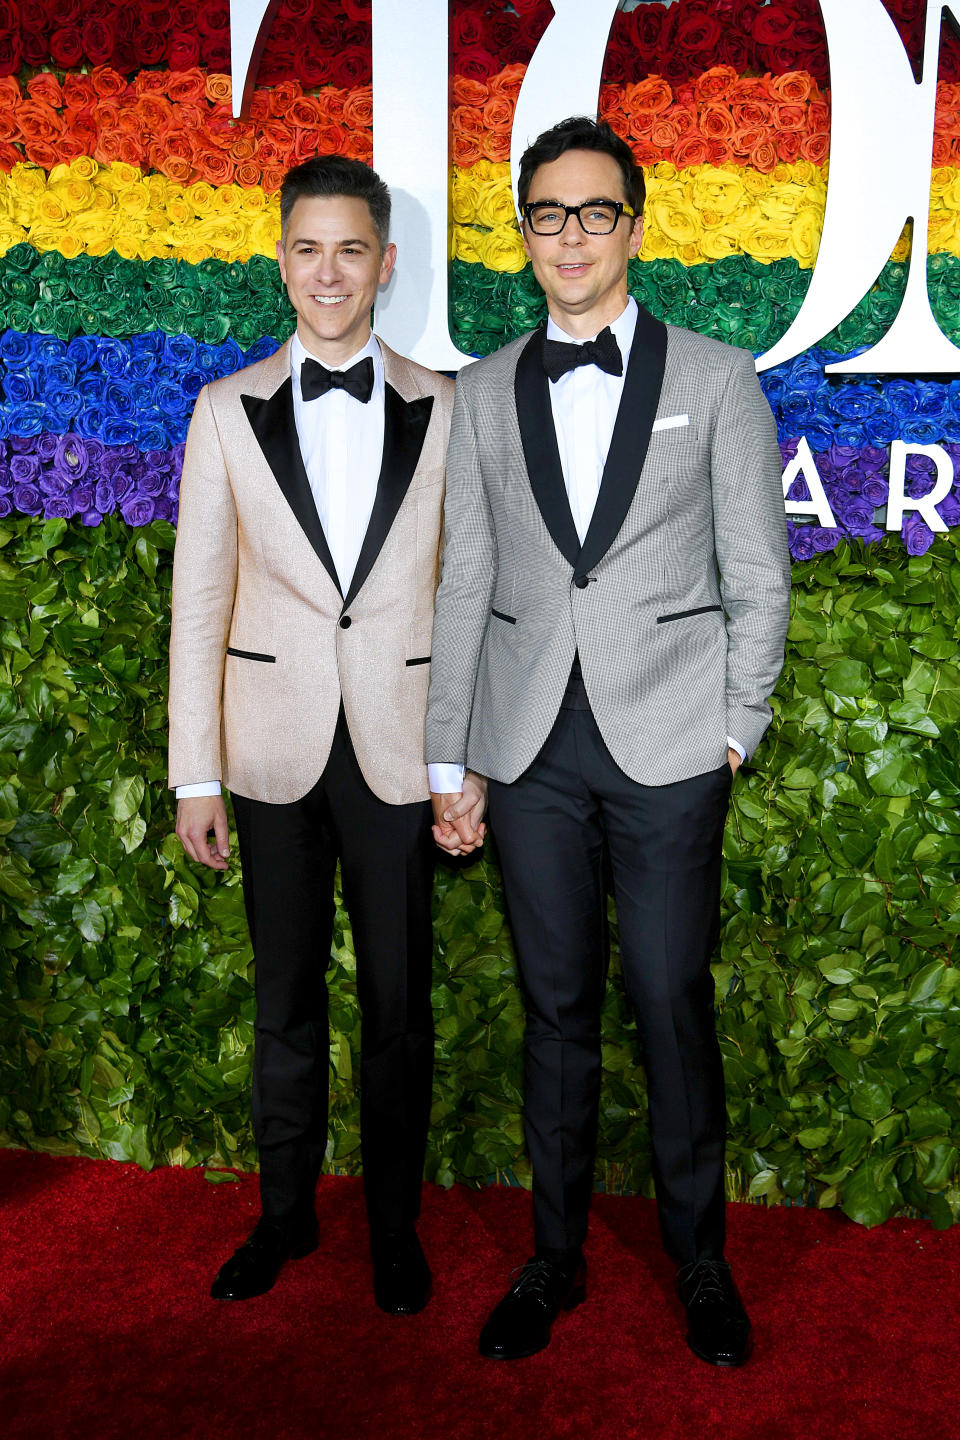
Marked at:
<point>106,1329</point>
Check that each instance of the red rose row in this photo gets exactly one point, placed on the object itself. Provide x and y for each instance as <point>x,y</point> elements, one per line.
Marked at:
<point>321,42</point>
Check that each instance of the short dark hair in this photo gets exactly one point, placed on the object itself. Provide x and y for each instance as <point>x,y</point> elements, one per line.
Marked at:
<point>582,133</point>
<point>335,175</point>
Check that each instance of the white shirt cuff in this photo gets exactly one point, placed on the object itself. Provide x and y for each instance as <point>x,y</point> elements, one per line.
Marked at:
<point>739,749</point>
<point>445,779</point>
<point>207,787</point>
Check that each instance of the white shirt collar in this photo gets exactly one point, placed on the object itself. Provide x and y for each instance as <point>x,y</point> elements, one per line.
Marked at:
<point>624,328</point>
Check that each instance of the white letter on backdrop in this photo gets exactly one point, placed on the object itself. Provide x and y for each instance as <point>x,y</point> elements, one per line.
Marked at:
<point>881,147</point>
<point>411,151</point>
<point>563,77</point>
<point>249,27</point>
<point>899,502</point>
<point>804,464</point>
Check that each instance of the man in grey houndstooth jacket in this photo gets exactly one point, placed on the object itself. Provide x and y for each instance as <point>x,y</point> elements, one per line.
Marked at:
<point>609,626</point>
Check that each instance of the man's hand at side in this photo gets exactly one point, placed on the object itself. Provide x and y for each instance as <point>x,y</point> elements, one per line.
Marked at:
<point>196,817</point>
<point>734,757</point>
<point>458,818</point>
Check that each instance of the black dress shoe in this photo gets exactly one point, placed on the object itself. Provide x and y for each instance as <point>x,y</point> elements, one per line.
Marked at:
<point>253,1269</point>
<point>718,1328</point>
<point>401,1276</point>
<point>520,1324</point>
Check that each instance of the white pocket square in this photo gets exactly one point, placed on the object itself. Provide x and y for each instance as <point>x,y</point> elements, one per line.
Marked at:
<point>671,422</point>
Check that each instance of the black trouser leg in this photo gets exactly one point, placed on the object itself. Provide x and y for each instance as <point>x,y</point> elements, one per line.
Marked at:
<point>664,845</point>
<point>547,829</point>
<point>288,857</point>
<point>288,854</point>
<point>665,849</point>
<point>386,862</point>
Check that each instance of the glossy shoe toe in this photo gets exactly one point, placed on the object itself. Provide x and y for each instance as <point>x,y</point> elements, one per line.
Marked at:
<point>401,1276</point>
<point>718,1327</point>
<point>520,1325</point>
<point>253,1269</point>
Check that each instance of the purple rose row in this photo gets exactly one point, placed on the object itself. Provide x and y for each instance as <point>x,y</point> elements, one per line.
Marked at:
<point>77,477</point>
<point>74,476</point>
<point>855,483</point>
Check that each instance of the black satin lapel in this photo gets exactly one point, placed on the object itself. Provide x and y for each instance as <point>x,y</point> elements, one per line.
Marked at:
<point>405,424</point>
<point>539,437</point>
<point>631,439</point>
<point>272,422</point>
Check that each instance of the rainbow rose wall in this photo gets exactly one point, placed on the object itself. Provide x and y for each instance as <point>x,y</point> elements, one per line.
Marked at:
<point>138,223</point>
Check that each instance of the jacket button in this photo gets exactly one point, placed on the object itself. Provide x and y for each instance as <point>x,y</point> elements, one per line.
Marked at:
<point>581,581</point>
<point>345,622</point>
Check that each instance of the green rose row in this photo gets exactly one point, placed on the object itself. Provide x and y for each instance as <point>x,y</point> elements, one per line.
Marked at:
<point>737,299</point>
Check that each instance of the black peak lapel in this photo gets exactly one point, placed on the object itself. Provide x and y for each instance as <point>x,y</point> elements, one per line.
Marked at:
<point>405,425</point>
<point>631,439</point>
<point>272,422</point>
<point>539,437</point>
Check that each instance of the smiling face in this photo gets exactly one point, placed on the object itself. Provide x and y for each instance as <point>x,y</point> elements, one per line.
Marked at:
<point>584,277</point>
<point>331,264</point>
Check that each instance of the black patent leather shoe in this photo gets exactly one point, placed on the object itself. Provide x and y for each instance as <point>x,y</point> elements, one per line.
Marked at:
<point>253,1269</point>
<point>520,1325</point>
<point>401,1276</point>
<point>718,1328</point>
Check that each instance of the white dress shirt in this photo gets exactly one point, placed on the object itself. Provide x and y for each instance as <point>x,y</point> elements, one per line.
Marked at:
<point>341,441</point>
<point>585,403</point>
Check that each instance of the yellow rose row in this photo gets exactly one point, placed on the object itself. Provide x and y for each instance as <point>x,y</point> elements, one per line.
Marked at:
<point>694,215</point>
<point>701,213</point>
<point>85,207</point>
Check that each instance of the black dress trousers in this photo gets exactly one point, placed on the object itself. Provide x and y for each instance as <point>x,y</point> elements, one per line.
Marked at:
<point>288,855</point>
<point>664,845</point>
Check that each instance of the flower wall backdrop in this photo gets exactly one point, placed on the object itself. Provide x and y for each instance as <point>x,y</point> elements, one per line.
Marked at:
<point>137,229</point>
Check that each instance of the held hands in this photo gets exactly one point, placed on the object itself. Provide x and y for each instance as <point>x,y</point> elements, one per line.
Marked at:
<point>196,817</point>
<point>458,818</point>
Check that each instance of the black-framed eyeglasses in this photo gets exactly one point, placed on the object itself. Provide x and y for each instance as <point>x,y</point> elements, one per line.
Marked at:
<point>597,217</point>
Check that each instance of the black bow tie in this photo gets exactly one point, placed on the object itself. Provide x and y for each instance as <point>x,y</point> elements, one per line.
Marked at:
<point>316,380</point>
<point>559,356</point>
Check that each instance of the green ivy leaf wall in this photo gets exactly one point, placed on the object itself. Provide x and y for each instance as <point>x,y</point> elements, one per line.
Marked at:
<point>126,1016</point>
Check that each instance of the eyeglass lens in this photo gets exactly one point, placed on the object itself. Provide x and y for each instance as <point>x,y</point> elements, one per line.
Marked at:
<point>596,218</point>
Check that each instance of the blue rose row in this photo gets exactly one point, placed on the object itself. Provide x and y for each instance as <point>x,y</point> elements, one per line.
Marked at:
<point>141,391</point>
<point>859,411</point>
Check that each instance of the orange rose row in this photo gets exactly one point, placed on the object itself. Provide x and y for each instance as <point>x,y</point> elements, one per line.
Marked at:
<point>179,123</point>
<point>720,117</point>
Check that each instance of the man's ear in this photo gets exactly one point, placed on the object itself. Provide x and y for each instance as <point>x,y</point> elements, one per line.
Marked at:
<point>387,261</point>
<point>636,236</point>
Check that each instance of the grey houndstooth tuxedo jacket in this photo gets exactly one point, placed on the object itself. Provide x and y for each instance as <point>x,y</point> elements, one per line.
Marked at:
<point>678,600</point>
